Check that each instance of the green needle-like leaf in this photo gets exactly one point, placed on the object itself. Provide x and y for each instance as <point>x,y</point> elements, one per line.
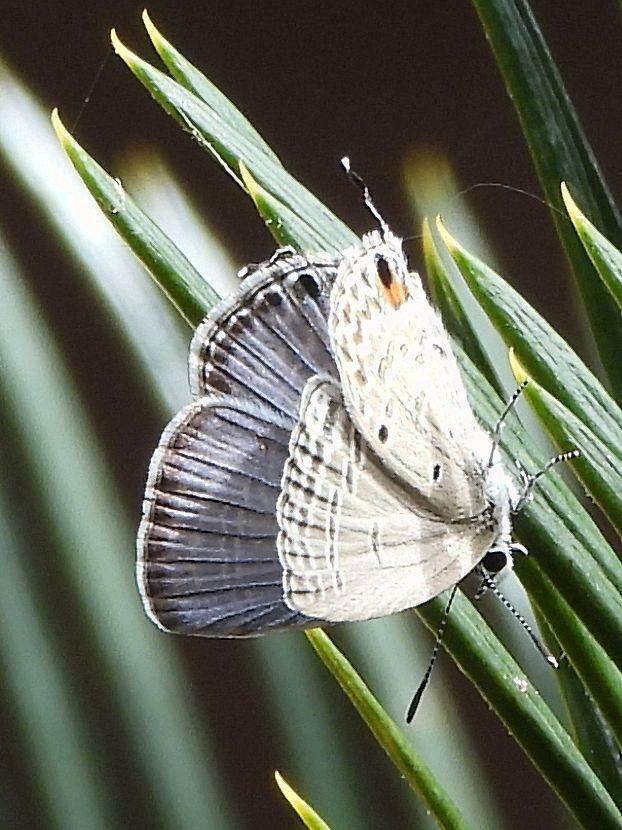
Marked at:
<point>508,691</point>
<point>170,269</point>
<point>456,320</point>
<point>195,81</point>
<point>598,471</point>
<point>503,684</point>
<point>75,496</point>
<point>387,733</point>
<point>544,354</point>
<point>307,814</point>
<point>544,525</point>
<point>284,224</point>
<point>563,537</point>
<point>588,658</point>
<point>36,681</point>
<point>592,733</point>
<point>551,525</point>
<point>607,259</point>
<point>229,147</point>
<point>560,152</point>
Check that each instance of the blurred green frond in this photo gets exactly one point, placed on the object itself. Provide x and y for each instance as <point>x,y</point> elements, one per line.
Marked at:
<point>573,577</point>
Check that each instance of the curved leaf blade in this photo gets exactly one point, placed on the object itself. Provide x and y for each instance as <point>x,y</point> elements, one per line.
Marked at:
<point>606,258</point>
<point>455,316</point>
<point>386,732</point>
<point>286,226</point>
<point>35,678</point>
<point>195,81</point>
<point>181,283</point>
<point>560,152</point>
<point>229,148</point>
<point>544,354</point>
<point>597,672</point>
<point>306,813</point>
<point>556,525</point>
<point>78,499</point>
<point>595,467</point>
<point>505,687</point>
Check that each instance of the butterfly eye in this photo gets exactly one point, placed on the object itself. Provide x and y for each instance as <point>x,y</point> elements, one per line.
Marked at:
<point>495,561</point>
<point>383,434</point>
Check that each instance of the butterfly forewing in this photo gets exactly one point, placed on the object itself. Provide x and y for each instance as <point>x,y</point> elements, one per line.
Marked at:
<point>400,380</point>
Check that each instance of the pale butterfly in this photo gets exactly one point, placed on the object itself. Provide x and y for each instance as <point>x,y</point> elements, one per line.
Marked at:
<point>330,467</point>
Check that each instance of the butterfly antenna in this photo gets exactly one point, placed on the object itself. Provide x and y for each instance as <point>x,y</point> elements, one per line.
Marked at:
<point>359,182</point>
<point>496,435</point>
<point>414,704</point>
<point>532,480</point>
<point>491,585</point>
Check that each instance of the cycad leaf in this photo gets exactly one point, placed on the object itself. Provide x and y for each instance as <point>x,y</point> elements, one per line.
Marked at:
<point>284,224</point>
<point>560,554</point>
<point>599,473</point>
<point>307,814</point>
<point>597,672</point>
<point>505,687</point>
<point>545,356</point>
<point>606,258</point>
<point>195,81</point>
<point>592,733</point>
<point>181,283</point>
<point>455,317</point>
<point>386,732</point>
<point>229,147</point>
<point>560,152</point>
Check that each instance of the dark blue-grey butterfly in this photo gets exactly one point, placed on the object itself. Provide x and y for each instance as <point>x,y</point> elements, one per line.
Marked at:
<point>330,467</point>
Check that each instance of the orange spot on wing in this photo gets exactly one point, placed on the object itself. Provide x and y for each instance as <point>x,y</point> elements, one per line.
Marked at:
<point>395,293</point>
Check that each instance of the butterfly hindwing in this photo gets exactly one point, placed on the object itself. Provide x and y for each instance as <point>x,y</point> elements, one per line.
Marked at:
<point>353,542</point>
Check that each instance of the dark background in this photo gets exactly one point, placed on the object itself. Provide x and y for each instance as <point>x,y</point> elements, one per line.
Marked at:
<point>318,80</point>
<point>322,79</point>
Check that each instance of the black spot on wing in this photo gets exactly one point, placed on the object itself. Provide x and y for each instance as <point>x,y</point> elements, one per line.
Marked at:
<point>265,343</point>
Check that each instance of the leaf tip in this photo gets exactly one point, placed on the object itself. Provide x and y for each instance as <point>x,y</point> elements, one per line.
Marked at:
<point>289,793</point>
<point>62,133</point>
<point>281,782</point>
<point>249,182</point>
<point>518,370</point>
<point>122,51</point>
<point>450,243</point>
<point>148,24</point>
<point>571,206</point>
<point>252,187</point>
<point>305,812</point>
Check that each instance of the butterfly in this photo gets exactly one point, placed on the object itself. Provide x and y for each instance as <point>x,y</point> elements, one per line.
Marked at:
<point>330,467</point>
